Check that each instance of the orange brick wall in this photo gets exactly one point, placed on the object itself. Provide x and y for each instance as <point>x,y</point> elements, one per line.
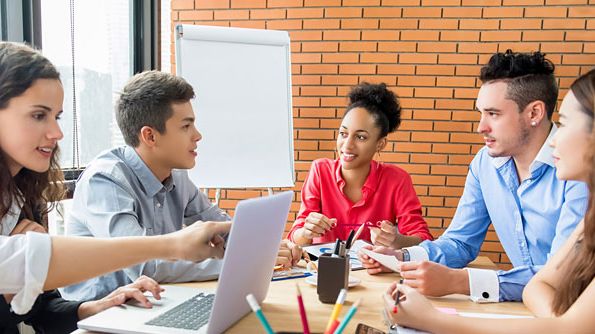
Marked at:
<point>428,51</point>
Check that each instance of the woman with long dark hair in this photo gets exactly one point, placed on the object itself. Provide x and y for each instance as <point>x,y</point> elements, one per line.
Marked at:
<point>31,97</point>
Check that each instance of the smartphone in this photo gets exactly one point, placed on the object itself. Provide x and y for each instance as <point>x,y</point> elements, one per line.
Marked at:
<point>365,329</point>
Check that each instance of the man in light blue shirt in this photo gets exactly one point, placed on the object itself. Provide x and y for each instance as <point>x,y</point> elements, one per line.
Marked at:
<point>143,188</point>
<point>511,184</point>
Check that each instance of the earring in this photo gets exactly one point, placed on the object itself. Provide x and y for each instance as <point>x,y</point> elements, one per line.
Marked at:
<point>533,123</point>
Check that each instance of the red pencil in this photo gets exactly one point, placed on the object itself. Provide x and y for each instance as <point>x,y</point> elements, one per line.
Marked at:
<point>302,310</point>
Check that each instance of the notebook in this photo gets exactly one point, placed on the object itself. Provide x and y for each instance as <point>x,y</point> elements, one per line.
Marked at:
<point>248,263</point>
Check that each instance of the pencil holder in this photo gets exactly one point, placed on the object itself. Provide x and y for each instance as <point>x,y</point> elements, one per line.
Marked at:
<point>333,275</point>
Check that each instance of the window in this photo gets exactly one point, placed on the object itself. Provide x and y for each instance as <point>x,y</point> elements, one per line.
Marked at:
<point>101,57</point>
<point>96,46</point>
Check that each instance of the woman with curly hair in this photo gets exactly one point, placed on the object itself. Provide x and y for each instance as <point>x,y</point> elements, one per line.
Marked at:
<point>342,194</point>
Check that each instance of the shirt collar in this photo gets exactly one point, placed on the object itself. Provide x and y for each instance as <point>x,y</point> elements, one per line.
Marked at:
<point>144,174</point>
<point>543,157</point>
<point>371,181</point>
<point>545,154</point>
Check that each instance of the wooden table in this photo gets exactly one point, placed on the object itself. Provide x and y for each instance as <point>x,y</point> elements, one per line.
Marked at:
<point>280,306</point>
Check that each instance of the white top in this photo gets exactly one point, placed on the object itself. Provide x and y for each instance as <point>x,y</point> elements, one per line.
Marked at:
<point>24,262</point>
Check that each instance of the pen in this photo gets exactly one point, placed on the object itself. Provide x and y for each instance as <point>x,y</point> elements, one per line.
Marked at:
<point>359,232</point>
<point>342,250</point>
<point>349,239</point>
<point>256,308</point>
<point>337,246</point>
<point>398,297</point>
<point>302,310</point>
<point>292,276</point>
<point>348,317</point>
<point>337,309</point>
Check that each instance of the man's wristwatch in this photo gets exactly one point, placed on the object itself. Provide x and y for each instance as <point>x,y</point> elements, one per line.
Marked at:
<point>406,256</point>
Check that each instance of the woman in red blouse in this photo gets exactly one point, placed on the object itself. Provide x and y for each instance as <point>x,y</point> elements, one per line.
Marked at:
<point>340,195</point>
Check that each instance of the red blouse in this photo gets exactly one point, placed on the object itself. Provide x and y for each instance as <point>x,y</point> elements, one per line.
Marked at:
<point>387,194</point>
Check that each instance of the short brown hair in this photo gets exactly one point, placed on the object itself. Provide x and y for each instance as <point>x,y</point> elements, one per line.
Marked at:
<point>146,101</point>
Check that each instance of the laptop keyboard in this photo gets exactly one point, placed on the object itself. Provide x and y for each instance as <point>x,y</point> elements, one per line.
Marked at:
<point>191,314</point>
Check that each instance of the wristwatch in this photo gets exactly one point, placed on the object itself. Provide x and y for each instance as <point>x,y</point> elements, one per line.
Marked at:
<point>406,256</point>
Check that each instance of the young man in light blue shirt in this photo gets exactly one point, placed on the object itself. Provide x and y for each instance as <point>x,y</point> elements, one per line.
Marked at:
<point>143,188</point>
<point>511,184</point>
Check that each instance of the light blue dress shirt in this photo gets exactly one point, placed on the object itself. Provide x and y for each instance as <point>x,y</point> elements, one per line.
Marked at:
<point>532,219</point>
<point>118,195</point>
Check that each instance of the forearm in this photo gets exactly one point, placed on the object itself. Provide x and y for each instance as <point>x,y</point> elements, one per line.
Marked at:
<point>76,259</point>
<point>406,241</point>
<point>538,297</point>
<point>448,324</point>
<point>56,315</point>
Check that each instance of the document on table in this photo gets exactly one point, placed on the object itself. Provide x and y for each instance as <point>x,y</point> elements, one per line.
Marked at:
<point>328,248</point>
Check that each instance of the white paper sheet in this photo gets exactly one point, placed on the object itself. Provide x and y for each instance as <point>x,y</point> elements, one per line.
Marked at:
<point>388,261</point>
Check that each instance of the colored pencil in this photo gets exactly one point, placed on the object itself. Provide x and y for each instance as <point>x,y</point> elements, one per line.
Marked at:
<point>256,308</point>
<point>302,310</point>
<point>348,317</point>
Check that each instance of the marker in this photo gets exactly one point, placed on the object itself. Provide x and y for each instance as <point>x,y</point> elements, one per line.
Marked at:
<point>348,317</point>
<point>256,308</point>
<point>302,310</point>
<point>337,309</point>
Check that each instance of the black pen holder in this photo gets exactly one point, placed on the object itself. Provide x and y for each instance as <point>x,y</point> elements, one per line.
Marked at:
<point>333,275</point>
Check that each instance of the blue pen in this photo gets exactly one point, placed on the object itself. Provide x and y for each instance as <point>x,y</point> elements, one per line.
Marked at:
<point>348,317</point>
<point>256,308</point>
<point>281,278</point>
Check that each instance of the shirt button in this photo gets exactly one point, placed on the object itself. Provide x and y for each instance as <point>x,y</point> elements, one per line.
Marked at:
<point>158,205</point>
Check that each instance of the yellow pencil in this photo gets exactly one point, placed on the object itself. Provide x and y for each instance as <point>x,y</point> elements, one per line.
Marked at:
<point>336,309</point>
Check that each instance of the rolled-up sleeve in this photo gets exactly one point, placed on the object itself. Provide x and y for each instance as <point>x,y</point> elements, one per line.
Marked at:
<point>24,264</point>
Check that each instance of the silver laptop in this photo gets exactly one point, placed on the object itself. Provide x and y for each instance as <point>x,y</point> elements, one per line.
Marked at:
<point>248,264</point>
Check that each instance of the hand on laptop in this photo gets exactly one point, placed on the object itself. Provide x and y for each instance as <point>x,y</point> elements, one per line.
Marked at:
<point>119,296</point>
<point>289,254</point>
<point>374,267</point>
<point>198,242</point>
